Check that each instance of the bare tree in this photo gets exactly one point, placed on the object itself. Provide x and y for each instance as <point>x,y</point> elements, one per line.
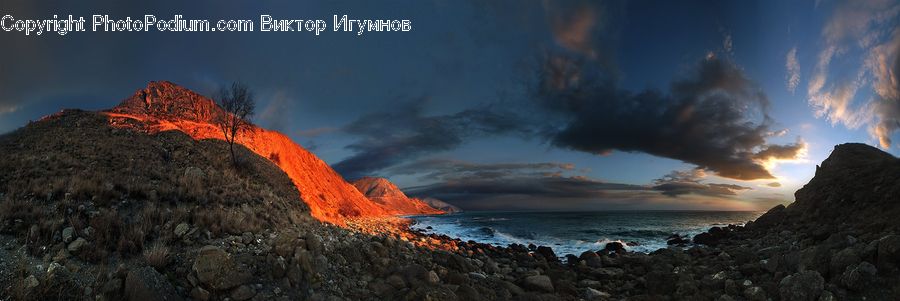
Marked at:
<point>238,106</point>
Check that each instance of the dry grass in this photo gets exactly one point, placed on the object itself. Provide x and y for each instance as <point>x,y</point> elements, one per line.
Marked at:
<point>131,188</point>
<point>57,287</point>
<point>157,256</point>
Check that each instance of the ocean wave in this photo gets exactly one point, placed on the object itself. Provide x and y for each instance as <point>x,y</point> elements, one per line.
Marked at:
<point>643,233</point>
<point>490,219</point>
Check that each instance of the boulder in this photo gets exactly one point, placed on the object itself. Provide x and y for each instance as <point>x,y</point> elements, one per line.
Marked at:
<point>592,294</point>
<point>547,253</point>
<point>755,293</point>
<point>146,283</point>
<point>216,269</point>
<point>31,282</point>
<point>432,278</point>
<point>858,276</point>
<point>76,245</point>
<point>677,240</point>
<point>802,286</point>
<point>314,244</point>
<point>842,259</point>
<point>889,250</point>
<point>198,293</point>
<point>243,292</point>
<point>538,283</point>
<point>181,229</point>
<point>614,247</point>
<point>68,234</point>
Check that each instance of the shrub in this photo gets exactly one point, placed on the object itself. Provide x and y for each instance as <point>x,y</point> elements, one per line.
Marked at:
<point>157,256</point>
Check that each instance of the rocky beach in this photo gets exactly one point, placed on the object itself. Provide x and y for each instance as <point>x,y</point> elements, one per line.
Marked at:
<point>83,217</point>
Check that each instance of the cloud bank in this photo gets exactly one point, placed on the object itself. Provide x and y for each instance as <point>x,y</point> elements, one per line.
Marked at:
<point>546,185</point>
<point>406,133</point>
<point>715,118</point>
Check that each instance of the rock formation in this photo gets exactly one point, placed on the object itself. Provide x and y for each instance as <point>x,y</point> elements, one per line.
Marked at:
<point>388,196</point>
<point>441,205</point>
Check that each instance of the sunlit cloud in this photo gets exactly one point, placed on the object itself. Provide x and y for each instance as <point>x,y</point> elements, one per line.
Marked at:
<point>773,155</point>
<point>884,61</point>
<point>865,27</point>
<point>572,27</point>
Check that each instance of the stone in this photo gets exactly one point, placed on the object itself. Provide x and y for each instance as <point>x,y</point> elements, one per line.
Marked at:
<point>279,267</point>
<point>705,239</point>
<point>76,245</point>
<point>432,278</point>
<point>614,247</point>
<point>31,282</point>
<point>755,293</point>
<point>547,253</point>
<point>284,245</point>
<point>194,175</point>
<point>858,276</point>
<point>55,268</point>
<point>539,283</point>
<point>198,293</point>
<point>314,244</point>
<point>88,232</point>
<point>592,294</point>
<point>677,240</point>
<point>827,296</point>
<point>477,276</point>
<point>396,281</point>
<point>888,250</point>
<point>112,286</point>
<point>147,284</point>
<point>68,234</point>
<point>802,286</point>
<point>243,292</point>
<point>181,229</point>
<point>215,268</point>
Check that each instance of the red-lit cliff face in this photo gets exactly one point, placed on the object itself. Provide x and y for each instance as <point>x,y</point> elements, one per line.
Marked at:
<point>388,196</point>
<point>163,106</point>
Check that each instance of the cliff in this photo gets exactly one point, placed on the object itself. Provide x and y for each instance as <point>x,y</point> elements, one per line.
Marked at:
<point>388,196</point>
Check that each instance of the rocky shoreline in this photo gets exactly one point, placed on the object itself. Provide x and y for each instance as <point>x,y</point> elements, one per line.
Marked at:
<point>115,237</point>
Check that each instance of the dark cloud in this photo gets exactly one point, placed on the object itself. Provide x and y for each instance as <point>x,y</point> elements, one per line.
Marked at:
<point>716,118</point>
<point>405,133</point>
<point>444,169</point>
<point>679,183</point>
<point>780,152</point>
<point>315,132</point>
<point>520,185</point>
<point>557,186</point>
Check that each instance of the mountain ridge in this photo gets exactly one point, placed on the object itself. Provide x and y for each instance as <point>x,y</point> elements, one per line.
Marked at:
<point>163,106</point>
<point>388,195</point>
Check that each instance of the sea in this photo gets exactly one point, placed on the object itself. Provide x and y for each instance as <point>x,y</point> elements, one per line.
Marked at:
<point>576,232</point>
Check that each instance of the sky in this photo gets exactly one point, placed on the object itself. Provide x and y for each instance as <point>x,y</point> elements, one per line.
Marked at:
<point>514,105</point>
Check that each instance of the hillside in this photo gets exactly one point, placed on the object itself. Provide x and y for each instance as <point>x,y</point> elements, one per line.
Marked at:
<point>163,106</point>
<point>388,196</point>
<point>441,205</point>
